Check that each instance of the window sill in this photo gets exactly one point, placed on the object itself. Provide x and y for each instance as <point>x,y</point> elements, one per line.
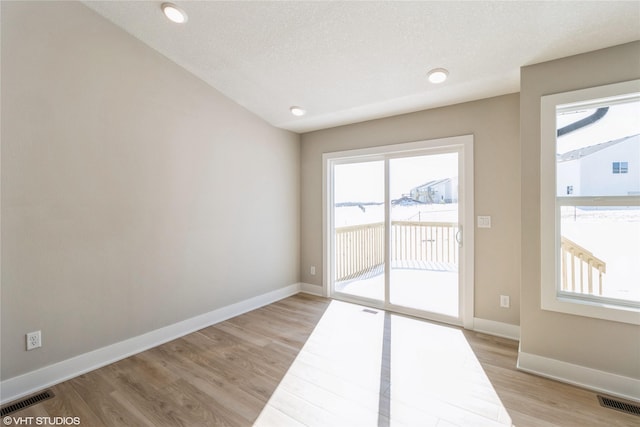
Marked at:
<point>564,303</point>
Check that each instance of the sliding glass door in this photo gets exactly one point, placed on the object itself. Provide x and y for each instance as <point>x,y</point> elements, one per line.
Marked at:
<point>359,229</point>
<point>394,228</point>
<point>424,231</point>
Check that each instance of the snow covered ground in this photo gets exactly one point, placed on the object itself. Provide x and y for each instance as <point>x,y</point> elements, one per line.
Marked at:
<point>369,213</point>
<point>427,290</point>
<point>613,235</point>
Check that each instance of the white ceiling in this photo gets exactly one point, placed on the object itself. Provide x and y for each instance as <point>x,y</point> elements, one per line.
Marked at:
<point>347,62</point>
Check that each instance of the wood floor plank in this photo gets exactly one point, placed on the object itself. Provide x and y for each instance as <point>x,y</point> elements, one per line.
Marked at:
<point>154,402</point>
<point>303,411</point>
<point>98,395</point>
<point>310,361</point>
<point>132,410</point>
<point>205,380</point>
<point>257,386</point>
<point>338,404</point>
<point>68,403</point>
<point>271,416</point>
<point>208,410</point>
<point>245,334</point>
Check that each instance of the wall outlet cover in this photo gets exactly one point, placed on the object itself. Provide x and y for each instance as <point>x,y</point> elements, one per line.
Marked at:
<point>34,340</point>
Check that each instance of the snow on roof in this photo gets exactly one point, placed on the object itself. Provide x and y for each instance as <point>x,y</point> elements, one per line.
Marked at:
<point>585,151</point>
<point>432,183</point>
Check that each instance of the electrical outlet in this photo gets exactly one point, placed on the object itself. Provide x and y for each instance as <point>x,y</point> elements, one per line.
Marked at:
<point>312,270</point>
<point>504,301</point>
<point>34,340</point>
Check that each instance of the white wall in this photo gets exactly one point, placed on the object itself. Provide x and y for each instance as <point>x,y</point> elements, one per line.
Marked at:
<point>569,174</point>
<point>134,195</point>
<point>601,180</point>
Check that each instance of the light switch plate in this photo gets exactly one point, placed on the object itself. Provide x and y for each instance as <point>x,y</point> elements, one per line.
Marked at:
<point>484,222</point>
<point>504,301</point>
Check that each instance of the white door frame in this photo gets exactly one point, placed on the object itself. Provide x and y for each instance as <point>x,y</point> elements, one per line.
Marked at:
<point>464,145</point>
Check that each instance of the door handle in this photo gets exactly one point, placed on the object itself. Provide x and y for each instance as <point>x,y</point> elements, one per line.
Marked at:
<point>459,235</point>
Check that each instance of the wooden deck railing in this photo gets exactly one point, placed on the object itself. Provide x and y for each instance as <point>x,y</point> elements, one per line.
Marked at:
<point>424,241</point>
<point>576,261</point>
<point>360,248</point>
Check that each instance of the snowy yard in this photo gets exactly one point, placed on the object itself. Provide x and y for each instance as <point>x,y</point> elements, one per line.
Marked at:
<point>613,235</point>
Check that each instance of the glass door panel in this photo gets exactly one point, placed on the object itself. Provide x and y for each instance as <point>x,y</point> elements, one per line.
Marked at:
<point>359,227</point>
<point>394,228</point>
<point>424,226</point>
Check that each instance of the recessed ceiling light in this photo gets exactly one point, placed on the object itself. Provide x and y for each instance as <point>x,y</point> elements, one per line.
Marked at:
<point>437,75</point>
<point>174,13</point>
<point>298,111</point>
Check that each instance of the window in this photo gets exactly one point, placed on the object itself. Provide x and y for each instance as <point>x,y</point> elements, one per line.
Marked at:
<point>620,167</point>
<point>590,214</point>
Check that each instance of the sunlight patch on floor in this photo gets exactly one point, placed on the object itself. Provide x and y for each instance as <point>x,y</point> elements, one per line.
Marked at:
<point>426,290</point>
<point>378,369</point>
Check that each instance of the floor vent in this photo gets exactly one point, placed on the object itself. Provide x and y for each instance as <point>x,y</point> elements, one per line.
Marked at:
<point>619,405</point>
<point>25,403</point>
<point>366,310</point>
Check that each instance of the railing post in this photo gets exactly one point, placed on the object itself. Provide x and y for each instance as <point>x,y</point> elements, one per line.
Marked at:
<point>573,271</point>
<point>590,275</point>
<point>600,280</point>
<point>581,273</point>
<point>585,260</point>
<point>563,253</point>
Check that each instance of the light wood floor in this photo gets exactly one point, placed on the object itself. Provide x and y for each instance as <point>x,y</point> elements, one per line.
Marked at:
<point>311,361</point>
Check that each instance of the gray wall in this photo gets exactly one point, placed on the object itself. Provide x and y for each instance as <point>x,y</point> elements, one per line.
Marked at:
<point>494,124</point>
<point>133,194</point>
<point>599,344</point>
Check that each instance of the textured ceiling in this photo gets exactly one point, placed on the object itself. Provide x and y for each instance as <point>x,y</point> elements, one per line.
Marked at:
<point>347,62</point>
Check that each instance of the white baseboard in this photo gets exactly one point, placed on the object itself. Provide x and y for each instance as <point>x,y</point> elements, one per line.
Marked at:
<point>31,382</point>
<point>581,376</point>
<point>308,288</point>
<point>499,329</point>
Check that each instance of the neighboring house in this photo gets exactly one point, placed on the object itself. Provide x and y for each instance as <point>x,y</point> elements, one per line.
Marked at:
<point>608,169</point>
<point>438,191</point>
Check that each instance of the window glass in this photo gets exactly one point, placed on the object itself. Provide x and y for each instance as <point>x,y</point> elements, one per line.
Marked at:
<point>594,142</point>
<point>600,251</point>
<point>598,156</point>
<point>620,167</point>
